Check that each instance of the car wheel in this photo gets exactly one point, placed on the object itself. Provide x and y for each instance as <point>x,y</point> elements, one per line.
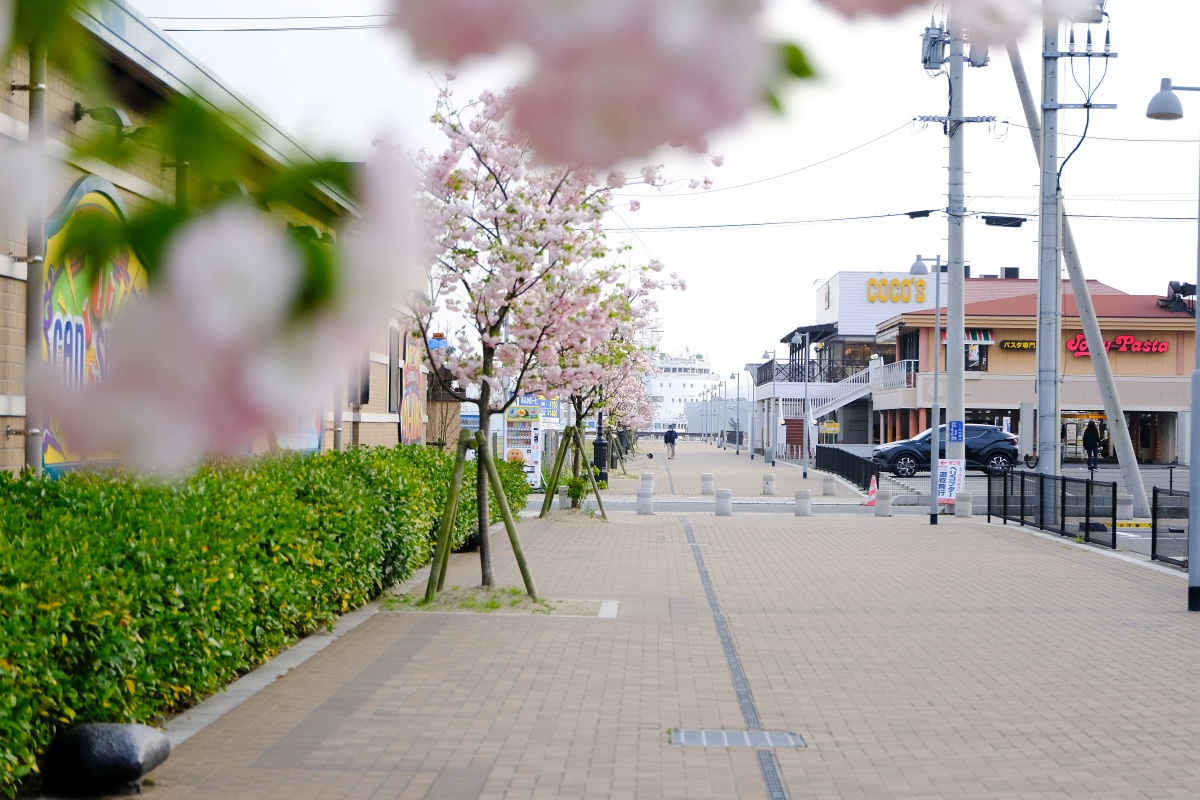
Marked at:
<point>998,463</point>
<point>905,466</point>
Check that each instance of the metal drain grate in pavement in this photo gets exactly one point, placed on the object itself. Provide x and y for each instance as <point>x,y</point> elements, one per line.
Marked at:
<point>702,738</point>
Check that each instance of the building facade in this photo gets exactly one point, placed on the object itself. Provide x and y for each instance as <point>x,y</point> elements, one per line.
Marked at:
<point>866,364</point>
<point>145,71</point>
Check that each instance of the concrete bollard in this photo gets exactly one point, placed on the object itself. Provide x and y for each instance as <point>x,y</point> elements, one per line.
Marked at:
<point>804,502</point>
<point>963,507</point>
<point>724,502</point>
<point>706,483</point>
<point>828,486</point>
<point>768,484</point>
<point>1124,506</point>
<point>648,480</point>
<point>645,502</point>
<point>564,502</point>
<point>883,503</point>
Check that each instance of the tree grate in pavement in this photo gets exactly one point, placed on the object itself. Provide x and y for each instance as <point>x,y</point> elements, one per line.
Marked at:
<point>703,738</point>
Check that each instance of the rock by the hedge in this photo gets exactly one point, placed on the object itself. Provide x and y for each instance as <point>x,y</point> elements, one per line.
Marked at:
<point>102,758</point>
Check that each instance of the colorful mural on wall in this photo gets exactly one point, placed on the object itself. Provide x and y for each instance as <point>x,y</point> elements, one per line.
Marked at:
<point>76,313</point>
<point>412,426</point>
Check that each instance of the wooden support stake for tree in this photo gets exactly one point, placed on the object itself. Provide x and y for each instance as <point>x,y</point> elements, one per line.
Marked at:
<point>506,514</point>
<point>441,553</point>
<point>556,473</point>
<point>591,475</point>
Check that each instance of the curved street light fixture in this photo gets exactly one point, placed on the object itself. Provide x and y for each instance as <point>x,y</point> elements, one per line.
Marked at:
<point>1165,105</point>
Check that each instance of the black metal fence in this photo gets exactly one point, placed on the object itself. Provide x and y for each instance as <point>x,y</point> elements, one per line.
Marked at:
<point>856,469</point>
<point>1169,526</point>
<point>1066,506</point>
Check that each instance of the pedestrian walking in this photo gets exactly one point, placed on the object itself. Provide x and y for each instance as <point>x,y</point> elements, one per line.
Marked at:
<point>1091,443</point>
<point>669,438</point>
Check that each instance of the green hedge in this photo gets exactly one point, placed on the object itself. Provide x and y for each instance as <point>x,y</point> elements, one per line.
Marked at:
<point>126,600</point>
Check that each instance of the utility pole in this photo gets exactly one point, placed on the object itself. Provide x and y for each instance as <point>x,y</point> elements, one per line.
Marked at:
<point>956,335</point>
<point>1118,431</point>
<point>934,41</point>
<point>1049,327</point>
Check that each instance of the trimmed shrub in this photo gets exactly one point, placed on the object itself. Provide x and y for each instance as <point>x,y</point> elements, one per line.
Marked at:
<point>126,600</point>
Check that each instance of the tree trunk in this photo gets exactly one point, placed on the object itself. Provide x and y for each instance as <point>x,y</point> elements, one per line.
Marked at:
<point>487,578</point>
<point>576,455</point>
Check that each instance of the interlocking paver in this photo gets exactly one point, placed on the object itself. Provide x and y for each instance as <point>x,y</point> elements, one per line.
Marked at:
<point>958,661</point>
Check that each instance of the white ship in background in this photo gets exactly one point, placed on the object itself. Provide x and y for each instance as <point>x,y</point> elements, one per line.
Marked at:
<point>678,381</point>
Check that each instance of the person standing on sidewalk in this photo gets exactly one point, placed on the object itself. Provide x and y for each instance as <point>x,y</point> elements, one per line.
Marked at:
<point>1091,443</point>
<point>669,438</point>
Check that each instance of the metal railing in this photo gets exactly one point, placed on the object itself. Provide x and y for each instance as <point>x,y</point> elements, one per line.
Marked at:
<point>818,371</point>
<point>1169,542</point>
<point>897,375</point>
<point>1074,507</point>
<point>856,469</point>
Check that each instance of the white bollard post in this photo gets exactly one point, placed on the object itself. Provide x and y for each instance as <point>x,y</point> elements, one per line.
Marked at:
<point>706,483</point>
<point>1125,506</point>
<point>828,486</point>
<point>804,502</point>
<point>648,480</point>
<point>883,503</point>
<point>724,502</point>
<point>768,484</point>
<point>564,502</point>
<point>963,507</point>
<point>645,502</point>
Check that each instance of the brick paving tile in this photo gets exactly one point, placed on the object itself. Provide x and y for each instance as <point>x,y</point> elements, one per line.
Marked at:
<point>960,661</point>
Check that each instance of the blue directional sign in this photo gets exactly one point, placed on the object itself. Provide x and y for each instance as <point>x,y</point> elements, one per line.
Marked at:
<point>955,430</point>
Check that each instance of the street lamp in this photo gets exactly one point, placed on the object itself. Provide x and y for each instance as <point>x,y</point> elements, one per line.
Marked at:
<point>724,405</point>
<point>918,268</point>
<point>752,385</point>
<point>798,337</point>
<point>1165,105</point>
<point>737,415</point>
<point>771,438</point>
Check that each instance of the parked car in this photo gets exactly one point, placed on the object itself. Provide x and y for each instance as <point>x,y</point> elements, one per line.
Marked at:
<point>989,448</point>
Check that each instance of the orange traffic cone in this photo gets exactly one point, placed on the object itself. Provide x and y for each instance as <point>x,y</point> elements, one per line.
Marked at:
<point>871,492</point>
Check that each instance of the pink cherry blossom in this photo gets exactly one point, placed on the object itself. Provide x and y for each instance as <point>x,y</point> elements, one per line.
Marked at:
<point>613,78</point>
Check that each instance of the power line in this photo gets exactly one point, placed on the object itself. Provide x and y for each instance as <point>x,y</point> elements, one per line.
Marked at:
<point>789,172</point>
<point>788,223</point>
<point>1117,138</point>
<point>275,30</point>
<point>280,18</point>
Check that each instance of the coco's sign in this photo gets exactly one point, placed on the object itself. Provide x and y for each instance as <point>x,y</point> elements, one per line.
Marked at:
<point>895,290</point>
<point>1125,343</point>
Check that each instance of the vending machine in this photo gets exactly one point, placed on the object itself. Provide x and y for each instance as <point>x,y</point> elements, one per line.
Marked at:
<point>523,438</point>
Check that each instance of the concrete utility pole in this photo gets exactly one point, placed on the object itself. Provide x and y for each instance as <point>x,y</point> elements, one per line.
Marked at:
<point>956,334</point>
<point>934,40</point>
<point>1049,327</point>
<point>1118,431</point>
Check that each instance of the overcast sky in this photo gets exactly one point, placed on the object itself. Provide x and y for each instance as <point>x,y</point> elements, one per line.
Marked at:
<point>845,148</point>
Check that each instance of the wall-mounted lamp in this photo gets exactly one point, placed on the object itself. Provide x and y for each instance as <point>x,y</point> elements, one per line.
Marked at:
<point>105,115</point>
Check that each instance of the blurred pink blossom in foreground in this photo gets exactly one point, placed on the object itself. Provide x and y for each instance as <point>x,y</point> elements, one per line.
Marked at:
<point>991,21</point>
<point>215,355</point>
<point>614,78</point>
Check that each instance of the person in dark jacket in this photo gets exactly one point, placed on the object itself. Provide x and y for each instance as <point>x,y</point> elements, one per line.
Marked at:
<point>1091,443</point>
<point>670,437</point>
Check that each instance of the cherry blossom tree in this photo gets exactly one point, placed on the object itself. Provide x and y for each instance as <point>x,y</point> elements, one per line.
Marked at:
<point>521,259</point>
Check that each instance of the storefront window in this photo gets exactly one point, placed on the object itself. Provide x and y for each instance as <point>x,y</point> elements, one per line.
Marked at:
<point>975,357</point>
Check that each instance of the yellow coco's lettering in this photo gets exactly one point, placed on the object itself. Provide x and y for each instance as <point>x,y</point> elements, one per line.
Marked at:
<point>895,290</point>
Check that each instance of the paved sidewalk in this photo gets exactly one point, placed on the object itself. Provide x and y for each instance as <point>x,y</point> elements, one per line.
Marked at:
<point>679,477</point>
<point>960,661</point>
